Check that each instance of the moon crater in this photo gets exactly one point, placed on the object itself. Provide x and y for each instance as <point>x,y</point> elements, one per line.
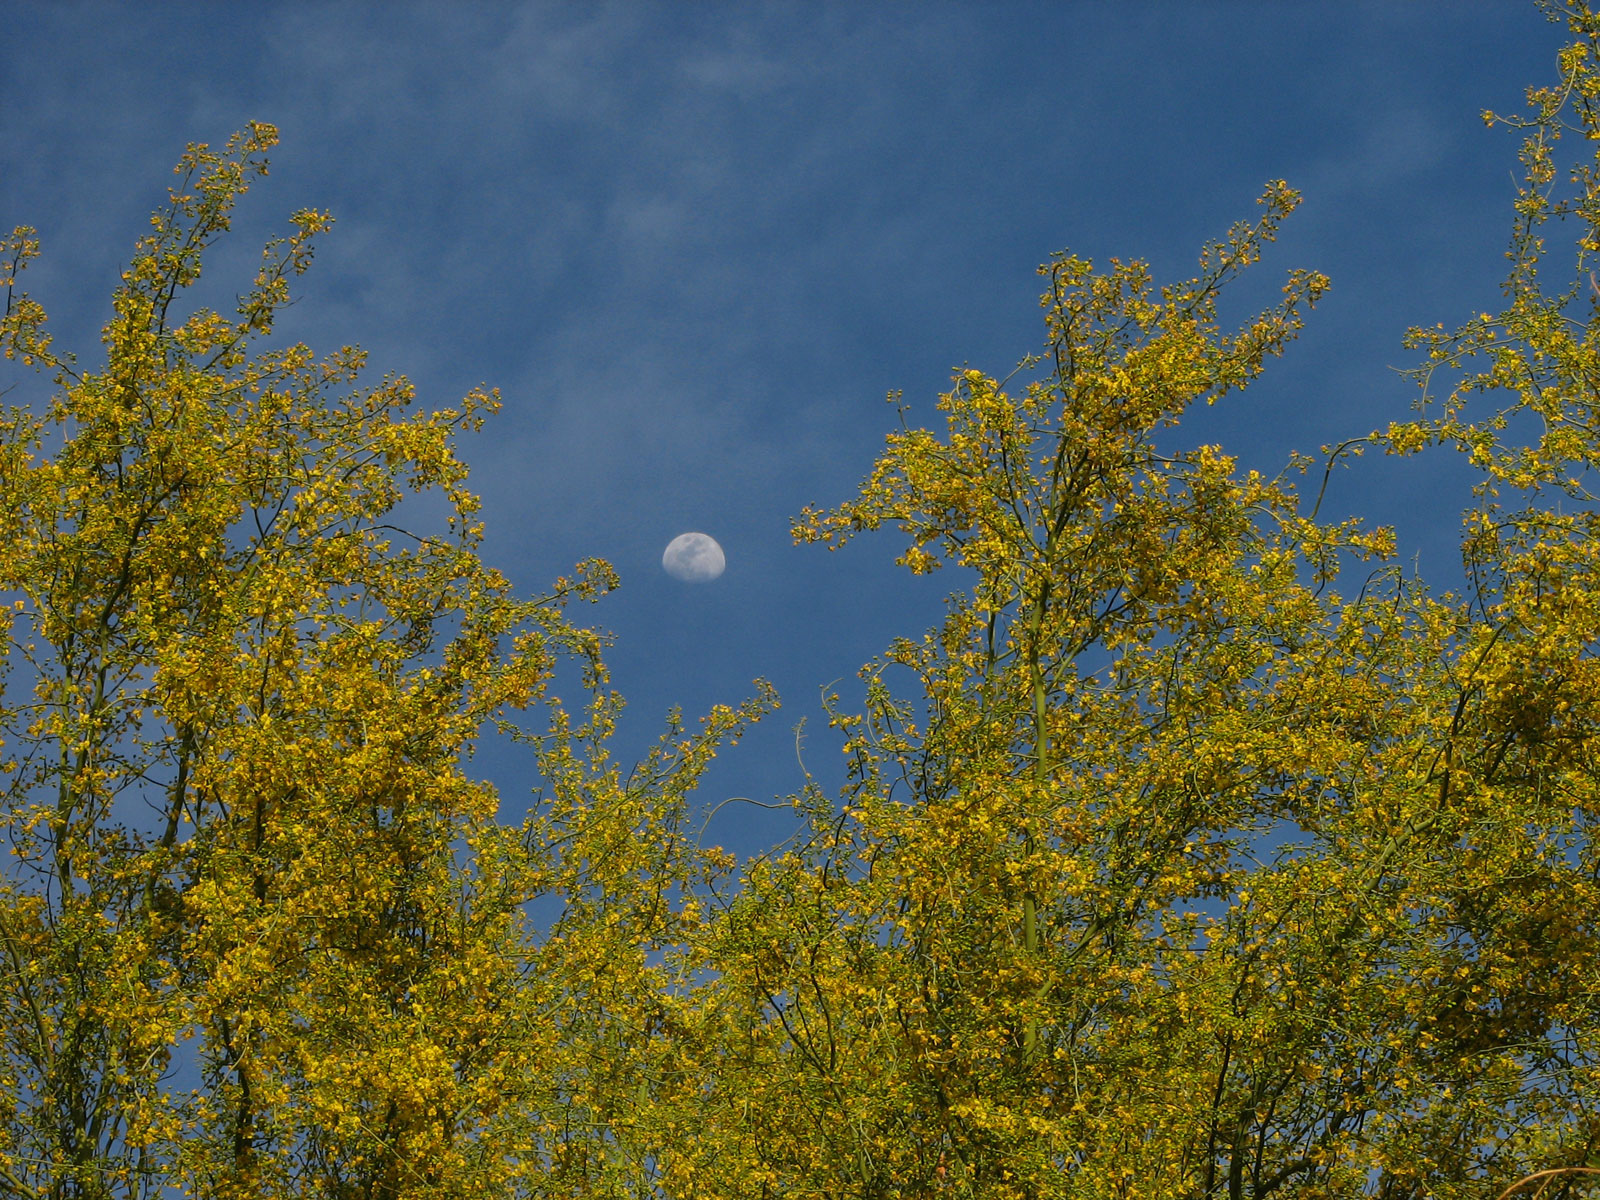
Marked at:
<point>693,558</point>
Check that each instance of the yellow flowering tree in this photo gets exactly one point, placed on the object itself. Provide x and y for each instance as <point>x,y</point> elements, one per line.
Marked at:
<point>1199,851</point>
<point>1166,868</point>
<point>263,932</point>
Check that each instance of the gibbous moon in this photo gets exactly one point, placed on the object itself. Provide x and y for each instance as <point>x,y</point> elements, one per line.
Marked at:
<point>693,558</point>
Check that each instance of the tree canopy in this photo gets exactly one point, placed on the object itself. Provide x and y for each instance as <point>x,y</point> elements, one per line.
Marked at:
<point>1203,849</point>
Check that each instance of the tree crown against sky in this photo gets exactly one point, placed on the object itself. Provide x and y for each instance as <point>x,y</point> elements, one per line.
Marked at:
<point>1199,850</point>
<point>694,248</point>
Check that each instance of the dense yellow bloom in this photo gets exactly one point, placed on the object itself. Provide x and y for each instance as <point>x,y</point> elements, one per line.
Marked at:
<point>1174,872</point>
<point>246,846</point>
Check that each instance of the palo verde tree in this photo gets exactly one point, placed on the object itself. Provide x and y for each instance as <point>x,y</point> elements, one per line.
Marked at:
<point>1167,868</point>
<point>1199,851</point>
<point>262,931</point>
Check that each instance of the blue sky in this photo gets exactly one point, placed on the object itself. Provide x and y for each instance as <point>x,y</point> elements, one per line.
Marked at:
<point>695,244</point>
